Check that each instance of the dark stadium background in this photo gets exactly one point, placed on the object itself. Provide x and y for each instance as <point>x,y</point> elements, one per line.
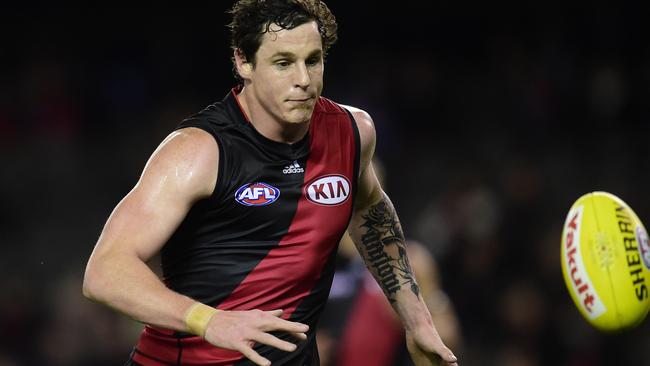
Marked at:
<point>491,121</point>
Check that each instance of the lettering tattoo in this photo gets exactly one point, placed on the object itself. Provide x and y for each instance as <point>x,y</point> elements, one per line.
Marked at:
<point>382,241</point>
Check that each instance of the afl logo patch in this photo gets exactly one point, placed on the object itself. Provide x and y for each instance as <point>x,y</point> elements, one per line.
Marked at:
<point>257,194</point>
<point>329,190</point>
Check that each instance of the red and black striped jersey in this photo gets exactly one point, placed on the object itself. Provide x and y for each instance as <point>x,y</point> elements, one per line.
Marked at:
<point>267,237</point>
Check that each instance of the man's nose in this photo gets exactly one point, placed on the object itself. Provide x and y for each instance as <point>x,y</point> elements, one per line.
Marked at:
<point>301,76</point>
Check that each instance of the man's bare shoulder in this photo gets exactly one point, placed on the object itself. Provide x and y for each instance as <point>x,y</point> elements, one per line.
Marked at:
<point>187,158</point>
<point>363,119</point>
<point>192,140</point>
<point>366,127</point>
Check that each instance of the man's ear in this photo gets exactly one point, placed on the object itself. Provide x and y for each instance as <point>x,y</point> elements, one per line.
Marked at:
<point>244,68</point>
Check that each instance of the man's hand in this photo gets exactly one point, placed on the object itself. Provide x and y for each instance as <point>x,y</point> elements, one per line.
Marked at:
<point>426,348</point>
<point>240,330</point>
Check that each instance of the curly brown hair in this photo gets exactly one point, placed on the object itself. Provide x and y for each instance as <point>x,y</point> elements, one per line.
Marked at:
<point>252,18</point>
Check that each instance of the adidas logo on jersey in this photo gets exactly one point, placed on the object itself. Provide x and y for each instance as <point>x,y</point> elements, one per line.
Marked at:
<point>293,168</point>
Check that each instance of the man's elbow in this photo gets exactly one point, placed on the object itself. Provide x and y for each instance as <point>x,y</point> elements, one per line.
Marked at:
<point>92,287</point>
<point>88,287</point>
<point>367,199</point>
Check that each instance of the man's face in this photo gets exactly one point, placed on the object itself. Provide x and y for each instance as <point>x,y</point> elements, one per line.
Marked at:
<point>288,75</point>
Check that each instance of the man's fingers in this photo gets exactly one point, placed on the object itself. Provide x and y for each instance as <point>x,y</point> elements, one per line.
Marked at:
<point>274,341</point>
<point>299,336</point>
<point>446,354</point>
<point>441,351</point>
<point>284,325</point>
<point>253,356</point>
<point>277,312</point>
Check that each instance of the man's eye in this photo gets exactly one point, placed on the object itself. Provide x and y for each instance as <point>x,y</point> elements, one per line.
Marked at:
<point>313,61</point>
<point>283,64</point>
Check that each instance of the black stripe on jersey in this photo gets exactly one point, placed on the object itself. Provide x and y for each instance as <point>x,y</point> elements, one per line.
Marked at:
<point>198,263</point>
<point>209,270</point>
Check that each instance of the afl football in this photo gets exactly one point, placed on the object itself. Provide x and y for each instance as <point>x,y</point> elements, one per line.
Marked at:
<point>606,262</point>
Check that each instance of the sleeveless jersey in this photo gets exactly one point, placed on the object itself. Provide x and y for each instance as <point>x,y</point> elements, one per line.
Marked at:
<point>267,237</point>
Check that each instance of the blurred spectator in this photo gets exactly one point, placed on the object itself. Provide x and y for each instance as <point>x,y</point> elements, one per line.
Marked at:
<point>359,326</point>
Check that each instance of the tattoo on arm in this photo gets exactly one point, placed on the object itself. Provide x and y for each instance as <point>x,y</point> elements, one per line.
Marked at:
<point>382,238</point>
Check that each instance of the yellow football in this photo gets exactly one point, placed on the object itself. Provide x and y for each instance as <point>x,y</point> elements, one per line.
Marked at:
<point>606,262</point>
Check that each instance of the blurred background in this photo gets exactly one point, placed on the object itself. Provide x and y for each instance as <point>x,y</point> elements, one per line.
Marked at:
<point>491,122</point>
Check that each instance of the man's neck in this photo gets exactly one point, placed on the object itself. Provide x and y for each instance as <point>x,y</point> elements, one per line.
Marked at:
<point>267,125</point>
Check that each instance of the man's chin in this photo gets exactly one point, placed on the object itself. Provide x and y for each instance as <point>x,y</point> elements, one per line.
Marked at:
<point>299,116</point>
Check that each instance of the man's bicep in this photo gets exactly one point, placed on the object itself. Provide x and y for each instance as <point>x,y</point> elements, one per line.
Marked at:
<point>369,189</point>
<point>140,225</point>
<point>181,171</point>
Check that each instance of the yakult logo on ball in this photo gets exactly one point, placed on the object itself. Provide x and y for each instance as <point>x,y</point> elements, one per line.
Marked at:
<point>575,267</point>
<point>329,190</point>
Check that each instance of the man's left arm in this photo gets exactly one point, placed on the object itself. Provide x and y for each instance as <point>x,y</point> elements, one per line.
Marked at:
<point>377,234</point>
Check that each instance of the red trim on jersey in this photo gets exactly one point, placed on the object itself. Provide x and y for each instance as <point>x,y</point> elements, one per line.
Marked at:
<point>289,272</point>
<point>235,93</point>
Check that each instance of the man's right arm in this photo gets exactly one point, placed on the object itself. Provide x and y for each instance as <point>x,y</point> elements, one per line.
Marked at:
<point>180,172</point>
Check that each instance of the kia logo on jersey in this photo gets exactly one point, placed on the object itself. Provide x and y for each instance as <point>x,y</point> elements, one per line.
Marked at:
<point>257,194</point>
<point>329,190</point>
